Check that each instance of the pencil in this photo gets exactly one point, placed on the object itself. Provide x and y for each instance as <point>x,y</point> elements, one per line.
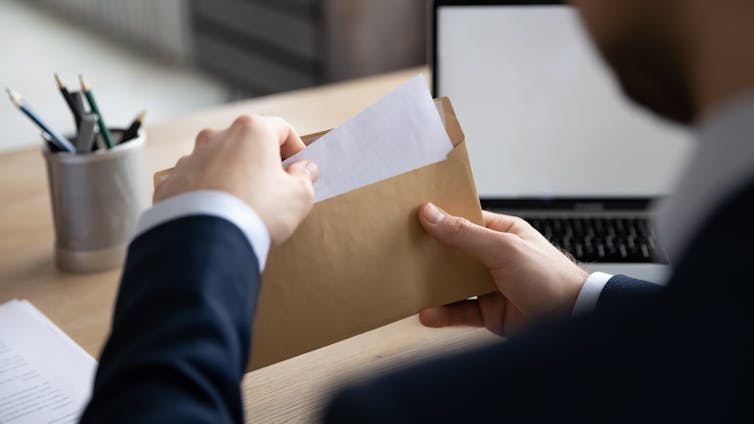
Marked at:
<point>93,105</point>
<point>133,129</point>
<point>68,99</point>
<point>50,144</point>
<point>56,138</point>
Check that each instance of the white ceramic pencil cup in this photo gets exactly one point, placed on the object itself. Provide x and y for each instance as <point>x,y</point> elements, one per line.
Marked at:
<point>96,200</point>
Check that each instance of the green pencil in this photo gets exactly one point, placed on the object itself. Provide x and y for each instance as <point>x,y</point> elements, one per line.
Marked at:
<point>93,105</point>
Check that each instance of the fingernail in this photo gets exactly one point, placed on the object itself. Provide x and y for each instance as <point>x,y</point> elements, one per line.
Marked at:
<point>312,169</point>
<point>432,317</point>
<point>433,214</point>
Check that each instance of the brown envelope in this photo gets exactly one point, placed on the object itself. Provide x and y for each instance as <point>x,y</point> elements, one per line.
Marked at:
<point>362,260</point>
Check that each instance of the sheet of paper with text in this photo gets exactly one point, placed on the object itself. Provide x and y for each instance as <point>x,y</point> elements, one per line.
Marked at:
<point>399,133</point>
<point>45,377</point>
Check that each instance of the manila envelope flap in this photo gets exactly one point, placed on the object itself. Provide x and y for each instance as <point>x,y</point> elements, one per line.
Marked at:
<point>361,260</point>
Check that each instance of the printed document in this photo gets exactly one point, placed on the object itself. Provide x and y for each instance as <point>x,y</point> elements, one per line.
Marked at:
<point>45,377</point>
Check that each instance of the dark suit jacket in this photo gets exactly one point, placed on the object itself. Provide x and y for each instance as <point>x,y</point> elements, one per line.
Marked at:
<point>181,337</point>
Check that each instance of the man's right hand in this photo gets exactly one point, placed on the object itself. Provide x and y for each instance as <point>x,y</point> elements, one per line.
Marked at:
<point>533,277</point>
<point>245,160</point>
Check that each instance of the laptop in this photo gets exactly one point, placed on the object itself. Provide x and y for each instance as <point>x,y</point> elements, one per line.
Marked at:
<point>551,137</point>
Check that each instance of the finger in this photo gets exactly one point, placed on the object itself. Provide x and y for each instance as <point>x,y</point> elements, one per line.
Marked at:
<point>288,138</point>
<point>514,319</point>
<point>244,123</point>
<point>501,222</point>
<point>305,169</point>
<point>180,163</point>
<point>465,312</point>
<point>157,194</point>
<point>306,172</point>
<point>480,242</point>
<point>204,137</point>
<point>493,307</point>
<point>508,224</point>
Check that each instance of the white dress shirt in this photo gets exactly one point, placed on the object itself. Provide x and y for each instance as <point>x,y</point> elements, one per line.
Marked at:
<point>722,162</point>
<point>212,203</point>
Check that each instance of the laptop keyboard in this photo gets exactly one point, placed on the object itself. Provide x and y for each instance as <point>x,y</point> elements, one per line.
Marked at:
<point>601,239</point>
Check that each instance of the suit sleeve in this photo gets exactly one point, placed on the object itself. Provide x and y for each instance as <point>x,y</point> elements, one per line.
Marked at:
<point>181,329</point>
<point>588,369</point>
<point>621,289</point>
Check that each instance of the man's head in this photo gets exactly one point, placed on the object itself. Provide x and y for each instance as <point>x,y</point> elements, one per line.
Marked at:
<point>676,57</point>
<point>638,39</point>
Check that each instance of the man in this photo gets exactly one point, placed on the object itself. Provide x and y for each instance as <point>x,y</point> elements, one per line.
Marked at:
<point>635,352</point>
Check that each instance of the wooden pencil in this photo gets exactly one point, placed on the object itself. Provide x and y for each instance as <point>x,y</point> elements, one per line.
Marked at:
<point>106,135</point>
<point>56,138</point>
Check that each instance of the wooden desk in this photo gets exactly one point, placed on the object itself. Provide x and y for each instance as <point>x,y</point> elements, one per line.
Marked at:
<point>290,391</point>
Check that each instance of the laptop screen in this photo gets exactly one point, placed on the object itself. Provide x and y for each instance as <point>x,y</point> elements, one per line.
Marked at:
<point>543,116</point>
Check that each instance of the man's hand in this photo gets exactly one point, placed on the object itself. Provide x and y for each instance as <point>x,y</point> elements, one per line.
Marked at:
<point>245,161</point>
<point>533,277</point>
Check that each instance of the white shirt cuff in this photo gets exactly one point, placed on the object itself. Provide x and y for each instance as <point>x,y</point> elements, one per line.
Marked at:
<point>590,292</point>
<point>213,203</point>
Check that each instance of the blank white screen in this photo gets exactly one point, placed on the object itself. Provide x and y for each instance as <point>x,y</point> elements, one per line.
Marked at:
<point>543,117</point>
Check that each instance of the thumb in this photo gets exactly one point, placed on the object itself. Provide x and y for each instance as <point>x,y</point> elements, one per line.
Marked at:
<point>475,240</point>
<point>305,169</point>
<point>306,172</point>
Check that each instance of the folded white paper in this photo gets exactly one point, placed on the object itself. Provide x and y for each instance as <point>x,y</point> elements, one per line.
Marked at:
<point>397,134</point>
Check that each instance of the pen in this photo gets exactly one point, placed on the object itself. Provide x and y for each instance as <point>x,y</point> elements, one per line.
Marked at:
<point>68,99</point>
<point>79,103</point>
<point>60,141</point>
<point>133,129</point>
<point>87,133</point>
<point>93,105</point>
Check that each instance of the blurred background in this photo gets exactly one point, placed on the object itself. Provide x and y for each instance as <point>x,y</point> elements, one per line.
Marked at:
<point>174,56</point>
